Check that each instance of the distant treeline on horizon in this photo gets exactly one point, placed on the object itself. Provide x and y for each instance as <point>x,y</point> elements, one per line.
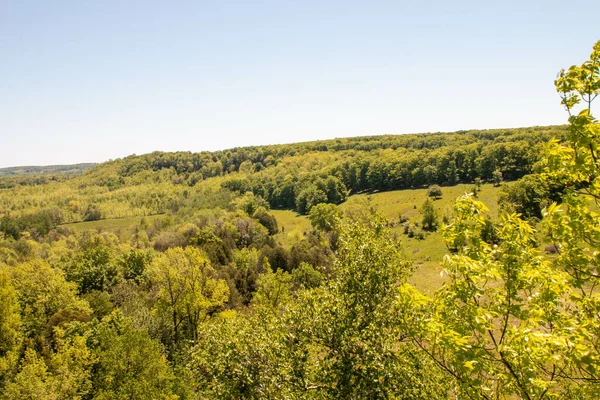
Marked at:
<point>47,169</point>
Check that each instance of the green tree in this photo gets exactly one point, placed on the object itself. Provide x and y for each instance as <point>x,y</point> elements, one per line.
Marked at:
<point>308,198</point>
<point>529,196</point>
<point>352,326</point>
<point>324,217</point>
<point>497,177</point>
<point>246,167</point>
<point>128,364</point>
<point>63,374</point>
<point>574,224</point>
<point>249,203</point>
<point>92,213</point>
<point>430,216</point>
<point>30,382</point>
<point>45,297</point>
<point>243,271</point>
<point>498,326</point>
<point>273,288</point>
<point>134,265</point>
<point>265,219</point>
<point>244,356</point>
<point>94,267</point>
<point>434,191</point>
<point>10,327</point>
<point>306,276</point>
<point>335,190</point>
<point>337,341</point>
<point>189,290</point>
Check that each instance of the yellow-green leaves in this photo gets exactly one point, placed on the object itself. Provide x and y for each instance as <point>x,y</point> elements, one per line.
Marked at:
<point>509,321</point>
<point>273,288</point>
<point>498,319</point>
<point>10,326</point>
<point>188,289</point>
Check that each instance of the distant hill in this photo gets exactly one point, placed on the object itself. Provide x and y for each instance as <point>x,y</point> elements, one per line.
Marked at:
<point>293,176</point>
<point>73,169</point>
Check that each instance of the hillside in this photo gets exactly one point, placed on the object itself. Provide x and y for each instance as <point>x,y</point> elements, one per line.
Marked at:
<point>165,192</point>
<point>388,174</point>
<point>47,169</point>
<point>294,176</point>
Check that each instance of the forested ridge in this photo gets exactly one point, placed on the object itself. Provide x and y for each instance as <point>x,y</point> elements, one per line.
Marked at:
<point>170,276</point>
<point>295,176</point>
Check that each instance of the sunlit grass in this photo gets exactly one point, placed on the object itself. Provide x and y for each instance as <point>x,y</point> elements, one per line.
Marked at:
<point>427,254</point>
<point>109,224</point>
<point>292,226</point>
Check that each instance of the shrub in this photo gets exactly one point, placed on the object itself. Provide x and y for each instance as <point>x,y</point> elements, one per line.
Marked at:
<point>92,213</point>
<point>434,191</point>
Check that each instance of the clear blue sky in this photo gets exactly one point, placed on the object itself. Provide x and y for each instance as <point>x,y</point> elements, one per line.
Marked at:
<point>94,80</point>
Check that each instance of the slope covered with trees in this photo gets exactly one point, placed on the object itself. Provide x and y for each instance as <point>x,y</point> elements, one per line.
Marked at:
<point>204,301</point>
<point>296,176</point>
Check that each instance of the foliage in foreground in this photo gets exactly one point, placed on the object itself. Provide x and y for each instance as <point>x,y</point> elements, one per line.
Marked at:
<point>337,341</point>
<point>511,322</point>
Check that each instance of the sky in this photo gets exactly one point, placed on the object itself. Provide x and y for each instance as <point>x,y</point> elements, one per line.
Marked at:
<point>89,81</point>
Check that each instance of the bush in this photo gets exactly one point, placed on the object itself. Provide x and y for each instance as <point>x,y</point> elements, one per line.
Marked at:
<point>167,240</point>
<point>265,219</point>
<point>434,191</point>
<point>413,231</point>
<point>92,213</point>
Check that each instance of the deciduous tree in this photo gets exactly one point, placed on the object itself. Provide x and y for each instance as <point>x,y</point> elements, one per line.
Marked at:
<point>189,289</point>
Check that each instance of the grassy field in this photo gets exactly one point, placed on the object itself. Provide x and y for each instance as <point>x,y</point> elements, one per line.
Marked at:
<point>408,202</point>
<point>427,253</point>
<point>291,226</point>
<point>109,224</point>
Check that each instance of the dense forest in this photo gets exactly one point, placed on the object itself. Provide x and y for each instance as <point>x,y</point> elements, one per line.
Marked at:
<point>296,176</point>
<point>170,276</point>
